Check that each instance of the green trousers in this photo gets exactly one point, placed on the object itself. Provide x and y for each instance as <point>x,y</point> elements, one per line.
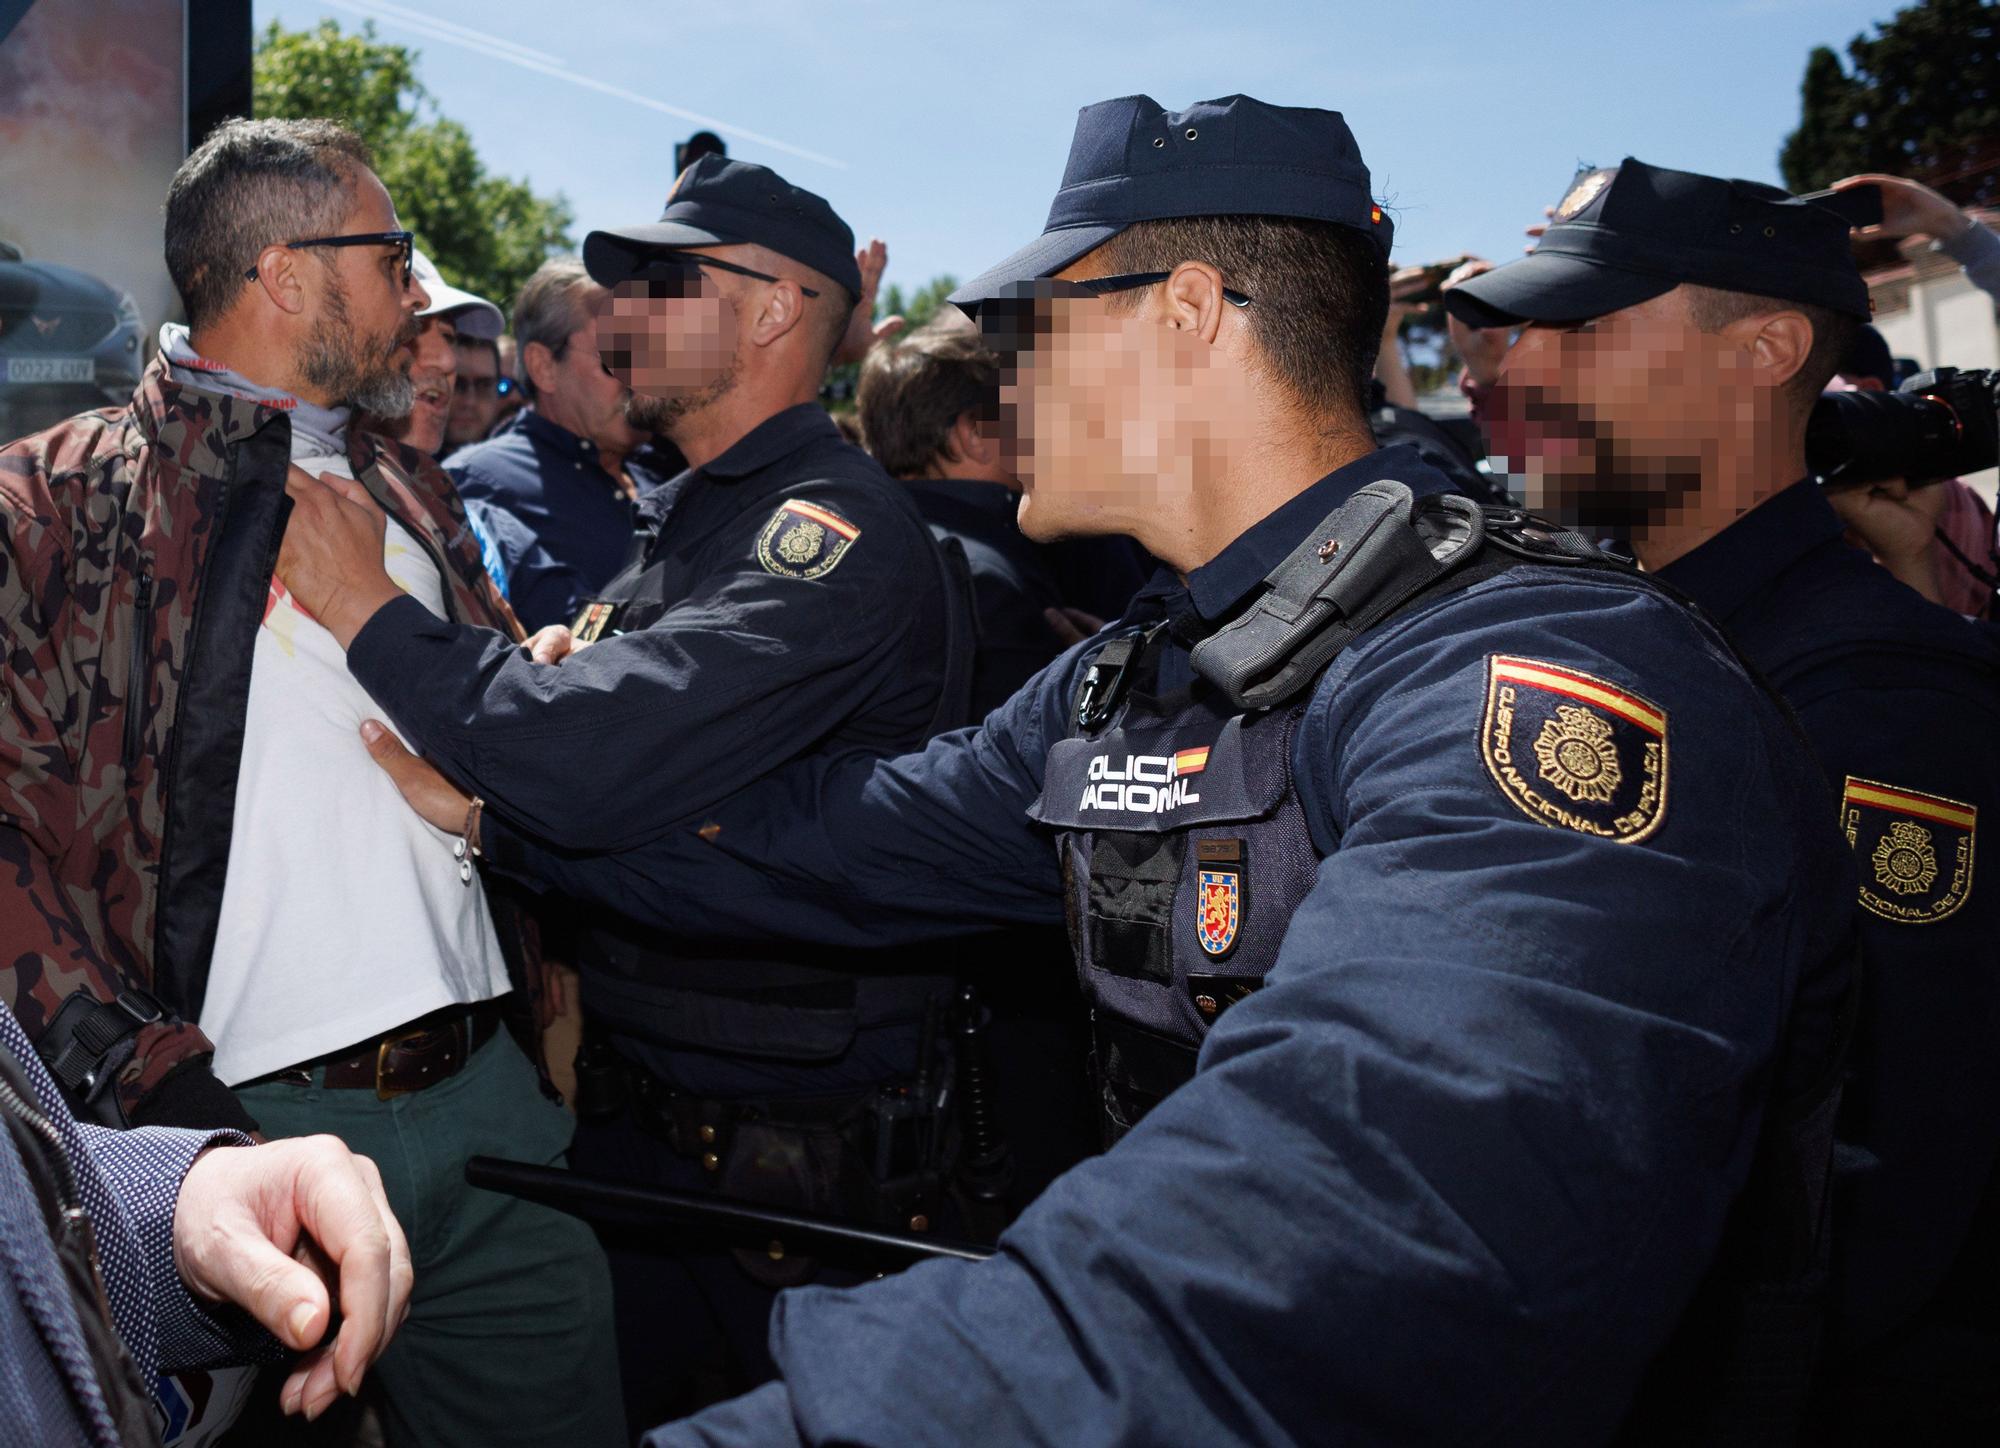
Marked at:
<point>509,1338</point>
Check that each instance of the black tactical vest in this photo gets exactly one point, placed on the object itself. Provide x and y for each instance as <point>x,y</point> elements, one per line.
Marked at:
<point>1184,853</point>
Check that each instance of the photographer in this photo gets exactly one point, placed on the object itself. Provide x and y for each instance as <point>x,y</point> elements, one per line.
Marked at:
<point>1677,332</point>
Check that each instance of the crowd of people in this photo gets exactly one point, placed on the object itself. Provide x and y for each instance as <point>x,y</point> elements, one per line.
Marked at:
<point>1305,921</point>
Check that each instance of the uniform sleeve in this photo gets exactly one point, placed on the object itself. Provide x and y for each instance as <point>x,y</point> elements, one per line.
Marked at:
<point>49,951</point>
<point>752,669</point>
<point>850,850</point>
<point>1453,1172</point>
<point>1910,744</point>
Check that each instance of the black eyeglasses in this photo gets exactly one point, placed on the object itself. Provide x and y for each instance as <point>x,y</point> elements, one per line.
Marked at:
<point>678,273</point>
<point>1010,322</point>
<point>406,240</point>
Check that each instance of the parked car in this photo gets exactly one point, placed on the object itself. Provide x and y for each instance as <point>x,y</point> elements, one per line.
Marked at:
<point>68,343</point>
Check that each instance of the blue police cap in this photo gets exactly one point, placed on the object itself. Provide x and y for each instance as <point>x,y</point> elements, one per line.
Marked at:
<point>1628,233</point>
<point>719,202</point>
<point>1131,160</point>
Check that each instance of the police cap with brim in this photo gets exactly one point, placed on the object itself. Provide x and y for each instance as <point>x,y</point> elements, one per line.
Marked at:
<point>1628,233</point>
<point>1132,161</point>
<point>719,202</point>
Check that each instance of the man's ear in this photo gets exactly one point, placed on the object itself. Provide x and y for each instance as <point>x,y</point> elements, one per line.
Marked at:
<point>1194,301</point>
<point>783,308</point>
<point>279,278</point>
<point>966,443</point>
<point>1779,345</point>
<point>539,361</point>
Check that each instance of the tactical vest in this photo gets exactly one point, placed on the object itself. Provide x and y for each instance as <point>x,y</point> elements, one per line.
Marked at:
<point>757,1004</point>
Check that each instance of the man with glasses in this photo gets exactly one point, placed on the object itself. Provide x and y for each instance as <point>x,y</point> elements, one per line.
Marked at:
<point>787,601</point>
<point>480,391</point>
<point>214,915</point>
<point>1441,905</point>
<point>570,469</point>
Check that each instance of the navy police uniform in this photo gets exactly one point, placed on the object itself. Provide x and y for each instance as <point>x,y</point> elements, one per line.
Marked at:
<point>786,598</point>
<point>1438,979</point>
<point>1901,701</point>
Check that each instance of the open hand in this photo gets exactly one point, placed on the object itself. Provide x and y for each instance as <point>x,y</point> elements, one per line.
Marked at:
<point>271,1228</point>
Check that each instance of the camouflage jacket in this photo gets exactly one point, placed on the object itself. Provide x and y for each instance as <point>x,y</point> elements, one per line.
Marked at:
<point>136,551</point>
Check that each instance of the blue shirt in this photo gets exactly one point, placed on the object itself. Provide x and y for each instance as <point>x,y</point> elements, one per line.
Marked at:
<point>1901,700</point>
<point>1452,1174</point>
<point>575,522</point>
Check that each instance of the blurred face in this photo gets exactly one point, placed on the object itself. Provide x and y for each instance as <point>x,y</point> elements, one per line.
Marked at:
<point>475,402</point>
<point>362,313</point>
<point>433,365</point>
<point>581,394</point>
<point>1095,407</point>
<point>1618,420</point>
<point>673,341</point>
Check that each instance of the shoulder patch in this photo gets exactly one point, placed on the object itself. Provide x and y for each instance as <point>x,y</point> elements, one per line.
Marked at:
<point>1914,850</point>
<point>804,540</point>
<point>1574,752</point>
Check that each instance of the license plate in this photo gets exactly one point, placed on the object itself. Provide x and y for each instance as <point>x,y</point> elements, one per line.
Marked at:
<point>22,370</point>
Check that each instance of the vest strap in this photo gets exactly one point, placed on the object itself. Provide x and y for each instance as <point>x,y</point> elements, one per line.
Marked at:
<point>1370,556</point>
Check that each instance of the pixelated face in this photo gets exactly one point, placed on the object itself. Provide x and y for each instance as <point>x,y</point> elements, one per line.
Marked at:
<point>1616,421</point>
<point>1098,401</point>
<point>669,333</point>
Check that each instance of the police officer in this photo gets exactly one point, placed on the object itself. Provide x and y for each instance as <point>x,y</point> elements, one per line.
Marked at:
<point>1441,891</point>
<point>786,599</point>
<point>1677,331</point>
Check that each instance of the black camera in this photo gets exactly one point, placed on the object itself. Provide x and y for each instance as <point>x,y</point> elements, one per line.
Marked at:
<point>1939,424</point>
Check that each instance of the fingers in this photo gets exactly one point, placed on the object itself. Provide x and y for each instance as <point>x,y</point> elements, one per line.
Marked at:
<point>888,327</point>
<point>340,1205</point>
<point>436,799</point>
<point>385,748</point>
<point>552,644</point>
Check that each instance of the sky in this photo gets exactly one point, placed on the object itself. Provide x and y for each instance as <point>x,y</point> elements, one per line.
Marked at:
<point>942,127</point>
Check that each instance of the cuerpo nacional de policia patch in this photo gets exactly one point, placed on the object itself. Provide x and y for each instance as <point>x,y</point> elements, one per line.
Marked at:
<point>1573,751</point>
<point>804,540</point>
<point>1914,851</point>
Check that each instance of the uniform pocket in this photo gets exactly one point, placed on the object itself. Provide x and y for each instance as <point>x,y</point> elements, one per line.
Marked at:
<point>1130,907</point>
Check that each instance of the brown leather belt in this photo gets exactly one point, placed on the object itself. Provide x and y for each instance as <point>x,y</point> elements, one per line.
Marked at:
<point>421,1053</point>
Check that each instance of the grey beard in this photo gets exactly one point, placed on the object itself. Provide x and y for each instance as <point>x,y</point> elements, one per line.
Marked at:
<point>334,364</point>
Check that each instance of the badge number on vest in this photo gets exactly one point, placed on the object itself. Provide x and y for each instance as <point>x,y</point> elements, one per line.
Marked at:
<point>1573,751</point>
<point>804,540</point>
<point>1914,850</point>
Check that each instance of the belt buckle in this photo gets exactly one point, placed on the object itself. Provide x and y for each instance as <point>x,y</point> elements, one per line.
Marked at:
<point>388,1043</point>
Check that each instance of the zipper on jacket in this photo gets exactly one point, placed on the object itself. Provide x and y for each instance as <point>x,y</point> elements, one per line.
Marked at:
<point>136,692</point>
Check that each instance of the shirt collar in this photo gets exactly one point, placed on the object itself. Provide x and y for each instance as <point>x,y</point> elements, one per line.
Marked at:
<point>554,435</point>
<point>1220,584</point>
<point>1730,568</point>
<point>777,435</point>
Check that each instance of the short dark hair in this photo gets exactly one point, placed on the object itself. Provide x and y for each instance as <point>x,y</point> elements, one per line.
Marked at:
<point>249,184</point>
<point>1319,294</point>
<point>474,344</point>
<point>1712,309</point>
<point>838,305</point>
<point>913,391</point>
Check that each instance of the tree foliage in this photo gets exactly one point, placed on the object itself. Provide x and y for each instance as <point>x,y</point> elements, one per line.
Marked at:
<point>486,233</point>
<point>1920,97</point>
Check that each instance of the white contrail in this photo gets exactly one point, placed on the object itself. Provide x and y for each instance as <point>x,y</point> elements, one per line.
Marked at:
<point>497,48</point>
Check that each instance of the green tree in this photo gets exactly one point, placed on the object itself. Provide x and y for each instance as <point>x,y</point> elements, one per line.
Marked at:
<point>486,233</point>
<point>920,305</point>
<point>1918,98</point>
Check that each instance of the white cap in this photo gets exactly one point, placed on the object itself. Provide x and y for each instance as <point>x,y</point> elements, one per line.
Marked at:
<point>473,316</point>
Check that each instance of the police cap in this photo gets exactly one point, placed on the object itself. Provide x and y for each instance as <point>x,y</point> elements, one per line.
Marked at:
<point>1131,160</point>
<point>1625,234</point>
<point>719,202</point>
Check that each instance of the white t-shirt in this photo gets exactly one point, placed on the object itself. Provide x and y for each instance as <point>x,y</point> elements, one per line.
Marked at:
<point>343,914</point>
